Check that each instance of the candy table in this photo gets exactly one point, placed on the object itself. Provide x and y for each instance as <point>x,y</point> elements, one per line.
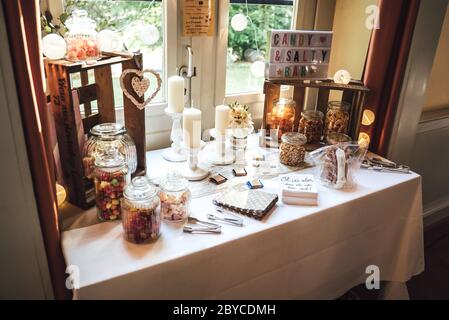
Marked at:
<point>295,253</point>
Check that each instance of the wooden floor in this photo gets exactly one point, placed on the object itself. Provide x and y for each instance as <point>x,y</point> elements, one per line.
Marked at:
<point>433,283</point>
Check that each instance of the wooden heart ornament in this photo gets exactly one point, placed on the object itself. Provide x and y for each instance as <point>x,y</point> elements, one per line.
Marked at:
<point>139,85</point>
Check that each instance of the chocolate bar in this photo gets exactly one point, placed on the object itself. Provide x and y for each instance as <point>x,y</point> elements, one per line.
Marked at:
<point>218,179</point>
<point>239,172</point>
<point>255,184</point>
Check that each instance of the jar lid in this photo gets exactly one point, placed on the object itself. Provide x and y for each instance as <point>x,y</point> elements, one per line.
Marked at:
<point>108,129</point>
<point>284,102</point>
<point>173,181</point>
<point>339,105</point>
<point>110,160</point>
<point>294,138</point>
<point>312,114</point>
<point>139,189</point>
<point>79,18</point>
<point>336,137</point>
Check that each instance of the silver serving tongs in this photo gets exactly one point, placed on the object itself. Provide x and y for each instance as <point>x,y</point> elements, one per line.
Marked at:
<point>203,226</point>
<point>381,165</point>
<point>226,217</point>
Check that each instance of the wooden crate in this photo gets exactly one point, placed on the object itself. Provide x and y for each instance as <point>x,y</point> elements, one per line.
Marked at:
<point>354,93</point>
<point>72,128</point>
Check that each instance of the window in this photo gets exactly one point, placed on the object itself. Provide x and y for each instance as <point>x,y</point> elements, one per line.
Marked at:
<point>245,47</point>
<point>139,24</point>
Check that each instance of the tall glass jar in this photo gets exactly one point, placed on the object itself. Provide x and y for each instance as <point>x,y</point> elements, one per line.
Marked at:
<point>104,138</point>
<point>337,117</point>
<point>175,197</point>
<point>110,180</point>
<point>311,125</point>
<point>81,38</point>
<point>282,116</point>
<point>292,151</point>
<point>141,211</point>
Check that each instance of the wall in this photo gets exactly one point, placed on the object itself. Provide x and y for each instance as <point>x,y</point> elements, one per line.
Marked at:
<point>437,92</point>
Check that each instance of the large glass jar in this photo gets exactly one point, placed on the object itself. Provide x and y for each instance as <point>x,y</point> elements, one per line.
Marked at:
<point>175,197</point>
<point>110,180</point>
<point>81,38</point>
<point>141,211</point>
<point>311,125</point>
<point>337,117</point>
<point>336,138</point>
<point>282,116</point>
<point>105,138</point>
<point>291,150</point>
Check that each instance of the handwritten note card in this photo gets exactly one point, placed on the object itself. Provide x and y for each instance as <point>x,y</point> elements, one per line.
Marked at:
<point>299,189</point>
<point>198,18</point>
<point>298,55</point>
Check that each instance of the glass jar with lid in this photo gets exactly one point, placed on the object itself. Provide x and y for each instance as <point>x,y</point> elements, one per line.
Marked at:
<point>81,38</point>
<point>336,138</point>
<point>292,151</point>
<point>311,125</point>
<point>104,138</point>
<point>175,197</point>
<point>141,211</point>
<point>337,117</point>
<point>110,180</point>
<point>282,115</point>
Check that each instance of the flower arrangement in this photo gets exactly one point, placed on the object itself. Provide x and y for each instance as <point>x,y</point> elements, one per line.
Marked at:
<point>240,117</point>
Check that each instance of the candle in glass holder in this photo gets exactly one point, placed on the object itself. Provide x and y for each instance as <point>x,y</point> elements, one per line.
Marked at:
<point>191,124</point>
<point>221,119</point>
<point>282,116</point>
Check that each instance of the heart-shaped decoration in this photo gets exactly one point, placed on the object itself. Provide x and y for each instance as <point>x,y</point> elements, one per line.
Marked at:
<point>139,84</point>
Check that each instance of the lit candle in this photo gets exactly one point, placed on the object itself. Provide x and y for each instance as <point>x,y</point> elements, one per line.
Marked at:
<point>221,119</point>
<point>191,123</point>
<point>176,94</point>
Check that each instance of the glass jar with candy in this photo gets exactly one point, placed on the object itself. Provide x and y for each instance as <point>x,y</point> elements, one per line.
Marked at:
<point>105,137</point>
<point>337,117</point>
<point>81,38</point>
<point>282,116</point>
<point>141,211</point>
<point>311,125</point>
<point>175,197</point>
<point>110,180</point>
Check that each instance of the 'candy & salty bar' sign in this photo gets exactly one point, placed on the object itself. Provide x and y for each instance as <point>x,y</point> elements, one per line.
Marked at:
<point>298,55</point>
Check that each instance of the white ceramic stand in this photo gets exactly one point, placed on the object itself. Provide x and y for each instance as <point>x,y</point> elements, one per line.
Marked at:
<point>175,153</point>
<point>222,157</point>
<point>191,171</point>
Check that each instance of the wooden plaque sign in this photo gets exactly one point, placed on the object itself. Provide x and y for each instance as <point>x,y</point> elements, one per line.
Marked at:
<point>198,18</point>
<point>298,55</point>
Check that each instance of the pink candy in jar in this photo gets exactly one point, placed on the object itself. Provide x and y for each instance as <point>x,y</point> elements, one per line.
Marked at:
<point>175,197</point>
<point>81,38</point>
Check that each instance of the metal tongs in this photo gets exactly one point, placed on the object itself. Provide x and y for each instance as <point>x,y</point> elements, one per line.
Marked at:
<point>226,217</point>
<point>197,226</point>
<point>379,164</point>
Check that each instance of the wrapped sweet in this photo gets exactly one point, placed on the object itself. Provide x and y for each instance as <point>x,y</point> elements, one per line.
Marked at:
<point>141,211</point>
<point>175,197</point>
<point>110,180</point>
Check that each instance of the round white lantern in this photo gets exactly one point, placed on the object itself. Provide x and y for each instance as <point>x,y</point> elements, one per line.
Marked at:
<point>342,77</point>
<point>54,46</point>
<point>109,41</point>
<point>149,34</point>
<point>258,68</point>
<point>239,22</point>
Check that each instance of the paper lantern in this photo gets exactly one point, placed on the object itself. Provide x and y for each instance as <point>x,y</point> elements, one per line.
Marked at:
<point>368,117</point>
<point>54,46</point>
<point>60,194</point>
<point>258,69</point>
<point>239,22</point>
<point>149,34</point>
<point>109,41</point>
<point>342,77</point>
<point>364,140</point>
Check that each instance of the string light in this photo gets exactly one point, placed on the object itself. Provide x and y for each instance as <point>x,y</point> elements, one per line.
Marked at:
<point>239,22</point>
<point>149,34</point>
<point>109,41</point>
<point>258,68</point>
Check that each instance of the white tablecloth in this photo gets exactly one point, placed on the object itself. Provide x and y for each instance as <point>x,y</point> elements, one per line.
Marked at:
<point>296,253</point>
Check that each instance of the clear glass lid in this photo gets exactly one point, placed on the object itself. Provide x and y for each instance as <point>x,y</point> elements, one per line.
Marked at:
<point>80,20</point>
<point>108,129</point>
<point>140,189</point>
<point>173,182</point>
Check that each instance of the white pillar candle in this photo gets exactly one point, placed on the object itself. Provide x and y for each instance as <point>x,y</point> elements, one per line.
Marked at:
<point>176,94</point>
<point>221,118</point>
<point>191,124</point>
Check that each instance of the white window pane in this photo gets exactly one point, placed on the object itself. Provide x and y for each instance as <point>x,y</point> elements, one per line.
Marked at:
<point>140,24</point>
<point>249,45</point>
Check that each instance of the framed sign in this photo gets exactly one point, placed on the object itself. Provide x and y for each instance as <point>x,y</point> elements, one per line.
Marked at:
<point>198,18</point>
<point>298,55</point>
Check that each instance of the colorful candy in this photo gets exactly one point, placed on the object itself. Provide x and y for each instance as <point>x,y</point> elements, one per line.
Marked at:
<point>141,223</point>
<point>175,206</point>
<point>109,188</point>
<point>81,48</point>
